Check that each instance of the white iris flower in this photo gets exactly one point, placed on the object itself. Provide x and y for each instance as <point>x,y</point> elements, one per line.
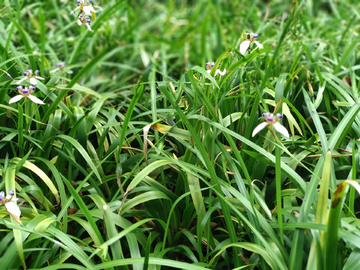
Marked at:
<point>85,7</point>
<point>210,65</point>
<point>245,45</point>
<point>10,205</point>
<point>84,19</point>
<point>59,66</point>
<point>272,120</point>
<point>26,93</point>
<point>32,77</point>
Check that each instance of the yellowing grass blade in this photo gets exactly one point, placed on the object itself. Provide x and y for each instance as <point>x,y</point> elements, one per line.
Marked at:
<point>42,175</point>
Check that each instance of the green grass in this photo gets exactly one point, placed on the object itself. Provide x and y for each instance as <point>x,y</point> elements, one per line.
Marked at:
<point>140,159</point>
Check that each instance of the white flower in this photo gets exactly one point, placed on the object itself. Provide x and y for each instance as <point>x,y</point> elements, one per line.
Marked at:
<point>10,205</point>
<point>26,93</point>
<point>209,65</point>
<point>244,46</point>
<point>85,7</point>
<point>29,75</point>
<point>272,121</point>
<point>84,19</point>
<point>60,66</point>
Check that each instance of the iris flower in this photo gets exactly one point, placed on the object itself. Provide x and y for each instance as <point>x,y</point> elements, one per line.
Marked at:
<point>244,46</point>
<point>210,65</point>
<point>85,7</point>
<point>271,120</point>
<point>10,205</point>
<point>59,66</point>
<point>29,75</point>
<point>26,93</point>
<point>84,19</point>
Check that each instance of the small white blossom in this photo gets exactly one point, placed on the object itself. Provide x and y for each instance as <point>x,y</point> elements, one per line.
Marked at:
<point>10,205</point>
<point>272,121</point>
<point>244,46</point>
<point>32,77</point>
<point>210,65</point>
<point>26,93</point>
<point>60,66</point>
<point>85,7</point>
<point>84,19</point>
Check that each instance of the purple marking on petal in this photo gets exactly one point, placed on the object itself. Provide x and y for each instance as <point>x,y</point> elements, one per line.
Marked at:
<point>270,119</point>
<point>255,35</point>
<point>25,91</point>
<point>78,1</point>
<point>25,73</point>
<point>278,115</point>
<point>37,72</point>
<point>32,88</point>
<point>19,88</point>
<point>11,193</point>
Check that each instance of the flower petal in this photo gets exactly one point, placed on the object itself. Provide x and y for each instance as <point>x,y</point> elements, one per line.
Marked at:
<point>54,70</point>
<point>258,44</point>
<point>15,99</point>
<point>259,128</point>
<point>281,129</point>
<point>21,80</point>
<point>39,78</point>
<point>14,210</point>
<point>36,100</point>
<point>244,46</point>
<point>88,9</point>
<point>222,73</point>
<point>33,81</point>
<point>74,10</point>
<point>88,26</point>
<point>208,71</point>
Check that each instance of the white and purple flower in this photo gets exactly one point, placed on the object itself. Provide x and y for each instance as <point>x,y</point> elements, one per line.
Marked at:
<point>28,74</point>
<point>59,66</point>
<point>271,120</point>
<point>10,205</point>
<point>85,7</point>
<point>84,19</point>
<point>26,93</point>
<point>245,45</point>
<point>210,65</point>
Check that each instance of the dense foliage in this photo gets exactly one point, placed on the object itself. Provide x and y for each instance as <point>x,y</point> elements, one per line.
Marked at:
<point>144,157</point>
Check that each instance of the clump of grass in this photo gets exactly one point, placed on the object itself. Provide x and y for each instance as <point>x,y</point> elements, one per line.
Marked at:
<point>142,155</point>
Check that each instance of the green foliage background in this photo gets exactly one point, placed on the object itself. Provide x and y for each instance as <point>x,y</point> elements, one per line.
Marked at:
<point>142,160</point>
